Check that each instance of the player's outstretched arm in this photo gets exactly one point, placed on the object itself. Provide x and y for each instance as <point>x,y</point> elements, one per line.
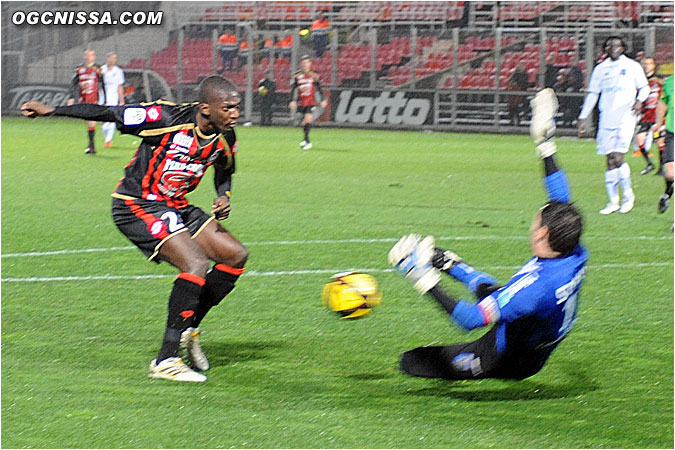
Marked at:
<point>542,130</point>
<point>87,111</point>
<point>412,258</point>
<point>452,264</point>
<point>34,109</point>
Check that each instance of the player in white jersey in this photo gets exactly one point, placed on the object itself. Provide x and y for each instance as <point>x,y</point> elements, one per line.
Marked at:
<point>621,85</point>
<point>113,81</point>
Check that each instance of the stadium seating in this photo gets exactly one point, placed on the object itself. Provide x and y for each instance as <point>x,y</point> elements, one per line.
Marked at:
<point>477,69</point>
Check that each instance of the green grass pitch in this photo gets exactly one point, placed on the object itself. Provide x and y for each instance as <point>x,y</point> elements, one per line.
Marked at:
<point>83,312</point>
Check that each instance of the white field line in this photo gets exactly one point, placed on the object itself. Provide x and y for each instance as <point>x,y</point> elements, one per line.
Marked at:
<point>277,273</point>
<point>328,241</point>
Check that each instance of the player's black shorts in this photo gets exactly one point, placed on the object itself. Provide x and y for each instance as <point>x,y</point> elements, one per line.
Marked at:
<point>148,224</point>
<point>472,360</point>
<point>644,127</point>
<point>306,109</point>
<point>668,149</point>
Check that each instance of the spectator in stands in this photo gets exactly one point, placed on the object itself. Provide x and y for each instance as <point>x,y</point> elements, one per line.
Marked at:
<point>243,54</point>
<point>267,89</point>
<point>269,48</point>
<point>227,47</point>
<point>285,46</point>
<point>572,83</point>
<point>320,31</point>
<point>551,72</point>
<point>517,82</point>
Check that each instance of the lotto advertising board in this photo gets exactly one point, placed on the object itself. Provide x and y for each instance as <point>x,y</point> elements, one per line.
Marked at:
<point>378,107</point>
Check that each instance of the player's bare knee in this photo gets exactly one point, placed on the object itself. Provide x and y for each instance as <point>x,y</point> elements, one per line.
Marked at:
<point>614,160</point>
<point>240,256</point>
<point>198,265</point>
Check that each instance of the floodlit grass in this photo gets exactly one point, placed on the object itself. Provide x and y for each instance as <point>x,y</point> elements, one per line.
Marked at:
<point>285,372</point>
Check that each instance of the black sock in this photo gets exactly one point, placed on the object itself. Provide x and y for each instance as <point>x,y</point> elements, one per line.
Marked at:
<point>645,154</point>
<point>669,188</point>
<point>182,304</point>
<point>305,128</point>
<point>219,282</point>
<point>90,133</point>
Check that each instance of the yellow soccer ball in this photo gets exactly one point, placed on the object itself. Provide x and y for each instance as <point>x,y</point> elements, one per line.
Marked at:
<point>352,294</point>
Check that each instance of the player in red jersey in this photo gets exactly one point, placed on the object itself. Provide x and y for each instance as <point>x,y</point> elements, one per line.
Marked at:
<point>149,206</point>
<point>644,136</point>
<point>304,88</point>
<point>87,85</point>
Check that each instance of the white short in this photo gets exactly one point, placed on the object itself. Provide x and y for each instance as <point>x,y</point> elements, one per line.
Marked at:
<point>609,140</point>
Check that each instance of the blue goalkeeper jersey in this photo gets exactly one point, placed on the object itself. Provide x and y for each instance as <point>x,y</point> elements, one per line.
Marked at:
<point>537,308</point>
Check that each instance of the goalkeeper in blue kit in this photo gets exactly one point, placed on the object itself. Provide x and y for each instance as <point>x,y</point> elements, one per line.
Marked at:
<point>532,313</point>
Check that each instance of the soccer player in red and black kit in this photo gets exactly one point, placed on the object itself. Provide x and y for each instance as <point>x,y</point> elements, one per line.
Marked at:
<point>87,84</point>
<point>643,137</point>
<point>304,88</point>
<point>149,206</point>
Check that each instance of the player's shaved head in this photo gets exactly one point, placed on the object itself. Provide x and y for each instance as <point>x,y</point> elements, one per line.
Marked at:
<point>217,89</point>
<point>614,47</point>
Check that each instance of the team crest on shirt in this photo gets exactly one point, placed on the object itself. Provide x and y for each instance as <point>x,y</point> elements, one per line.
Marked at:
<point>154,113</point>
<point>157,228</point>
<point>134,116</point>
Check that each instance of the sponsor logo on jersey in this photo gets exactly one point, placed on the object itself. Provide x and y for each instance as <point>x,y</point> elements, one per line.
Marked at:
<point>134,116</point>
<point>157,228</point>
<point>383,109</point>
<point>181,142</point>
<point>193,168</point>
<point>154,113</point>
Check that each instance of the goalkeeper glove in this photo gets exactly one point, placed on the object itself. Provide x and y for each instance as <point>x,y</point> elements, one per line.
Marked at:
<point>542,127</point>
<point>445,260</point>
<point>412,258</point>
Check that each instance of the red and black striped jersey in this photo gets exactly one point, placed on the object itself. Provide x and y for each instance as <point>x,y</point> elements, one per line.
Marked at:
<point>174,153</point>
<point>87,83</point>
<point>307,85</point>
<point>649,105</point>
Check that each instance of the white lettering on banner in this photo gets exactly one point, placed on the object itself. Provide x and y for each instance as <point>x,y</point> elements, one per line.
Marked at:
<point>383,109</point>
<point>51,95</point>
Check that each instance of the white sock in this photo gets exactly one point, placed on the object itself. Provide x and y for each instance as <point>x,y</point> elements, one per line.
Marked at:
<point>612,185</point>
<point>648,140</point>
<point>624,179</point>
<point>108,130</point>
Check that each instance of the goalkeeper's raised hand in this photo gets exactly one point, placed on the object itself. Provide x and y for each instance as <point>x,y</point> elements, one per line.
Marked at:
<point>542,127</point>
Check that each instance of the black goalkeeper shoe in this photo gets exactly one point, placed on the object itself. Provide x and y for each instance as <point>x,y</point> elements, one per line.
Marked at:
<point>664,201</point>
<point>647,169</point>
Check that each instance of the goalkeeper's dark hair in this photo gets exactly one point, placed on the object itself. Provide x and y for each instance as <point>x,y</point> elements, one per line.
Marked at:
<point>216,87</point>
<point>565,224</point>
